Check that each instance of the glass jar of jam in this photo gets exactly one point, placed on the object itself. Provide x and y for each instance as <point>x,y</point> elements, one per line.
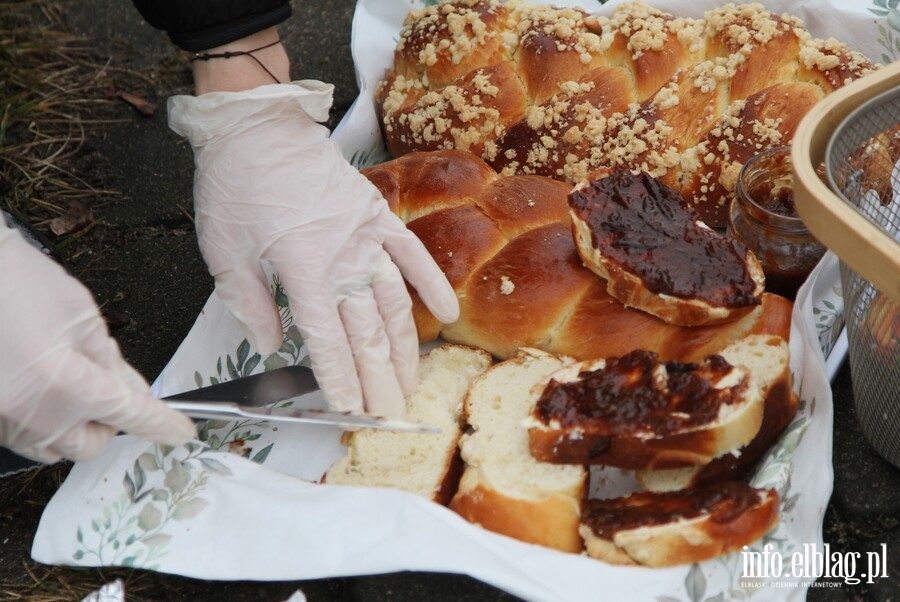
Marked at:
<point>763,216</point>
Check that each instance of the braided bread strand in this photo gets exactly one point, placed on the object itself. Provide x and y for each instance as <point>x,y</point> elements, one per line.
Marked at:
<point>506,246</point>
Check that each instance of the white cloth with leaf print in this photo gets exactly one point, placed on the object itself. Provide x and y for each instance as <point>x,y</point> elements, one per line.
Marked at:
<point>181,510</point>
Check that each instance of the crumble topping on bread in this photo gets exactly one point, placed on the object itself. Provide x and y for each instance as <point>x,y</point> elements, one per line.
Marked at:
<point>560,114</point>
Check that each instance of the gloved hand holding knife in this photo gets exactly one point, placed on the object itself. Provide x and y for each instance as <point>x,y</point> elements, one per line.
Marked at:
<point>65,389</point>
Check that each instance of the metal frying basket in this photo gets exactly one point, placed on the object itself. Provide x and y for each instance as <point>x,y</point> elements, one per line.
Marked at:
<point>855,135</point>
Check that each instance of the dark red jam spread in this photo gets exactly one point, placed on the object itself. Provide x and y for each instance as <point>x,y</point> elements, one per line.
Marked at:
<point>778,199</point>
<point>628,395</point>
<point>722,501</point>
<point>646,227</point>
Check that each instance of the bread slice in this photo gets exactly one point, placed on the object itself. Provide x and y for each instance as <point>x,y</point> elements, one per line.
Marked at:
<point>503,488</point>
<point>681,527</point>
<point>656,255</point>
<point>636,412</point>
<point>767,357</point>
<point>424,464</point>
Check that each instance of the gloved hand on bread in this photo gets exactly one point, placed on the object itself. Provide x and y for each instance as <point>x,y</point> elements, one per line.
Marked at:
<point>272,189</point>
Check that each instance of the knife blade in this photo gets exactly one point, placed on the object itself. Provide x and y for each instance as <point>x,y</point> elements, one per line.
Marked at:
<point>285,394</point>
<point>258,389</point>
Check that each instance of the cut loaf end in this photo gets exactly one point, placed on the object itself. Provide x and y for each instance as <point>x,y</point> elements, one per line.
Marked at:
<point>425,464</point>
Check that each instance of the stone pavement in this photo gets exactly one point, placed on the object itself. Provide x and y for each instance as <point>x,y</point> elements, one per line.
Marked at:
<point>145,270</point>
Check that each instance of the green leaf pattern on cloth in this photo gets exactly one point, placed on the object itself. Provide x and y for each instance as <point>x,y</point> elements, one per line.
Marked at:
<point>240,436</point>
<point>888,28</point>
<point>163,485</point>
<point>828,314</point>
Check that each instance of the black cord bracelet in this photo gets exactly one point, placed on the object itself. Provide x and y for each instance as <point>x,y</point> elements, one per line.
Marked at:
<point>229,54</point>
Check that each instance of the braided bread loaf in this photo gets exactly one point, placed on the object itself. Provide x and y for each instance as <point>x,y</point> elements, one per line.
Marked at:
<point>561,93</point>
<point>505,244</point>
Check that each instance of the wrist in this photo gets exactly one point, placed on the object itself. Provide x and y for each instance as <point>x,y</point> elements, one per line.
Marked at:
<point>244,64</point>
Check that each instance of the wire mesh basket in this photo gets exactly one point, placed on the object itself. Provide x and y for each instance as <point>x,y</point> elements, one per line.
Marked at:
<point>855,136</point>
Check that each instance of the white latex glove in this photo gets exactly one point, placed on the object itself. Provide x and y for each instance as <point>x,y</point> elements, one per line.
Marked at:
<point>65,389</point>
<point>271,186</point>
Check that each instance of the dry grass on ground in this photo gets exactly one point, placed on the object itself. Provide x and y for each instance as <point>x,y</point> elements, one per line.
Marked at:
<point>50,101</point>
<point>53,91</point>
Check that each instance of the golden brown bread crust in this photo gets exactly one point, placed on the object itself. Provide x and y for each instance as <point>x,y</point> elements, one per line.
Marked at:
<point>730,515</point>
<point>506,246</point>
<point>561,93</point>
<point>649,45</point>
<point>551,521</point>
<point>432,42</point>
<point>488,99</point>
<point>738,138</point>
<point>552,50</point>
<point>598,324</point>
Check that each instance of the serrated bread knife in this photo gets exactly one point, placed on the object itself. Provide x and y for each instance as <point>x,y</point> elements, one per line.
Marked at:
<point>284,394</point>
